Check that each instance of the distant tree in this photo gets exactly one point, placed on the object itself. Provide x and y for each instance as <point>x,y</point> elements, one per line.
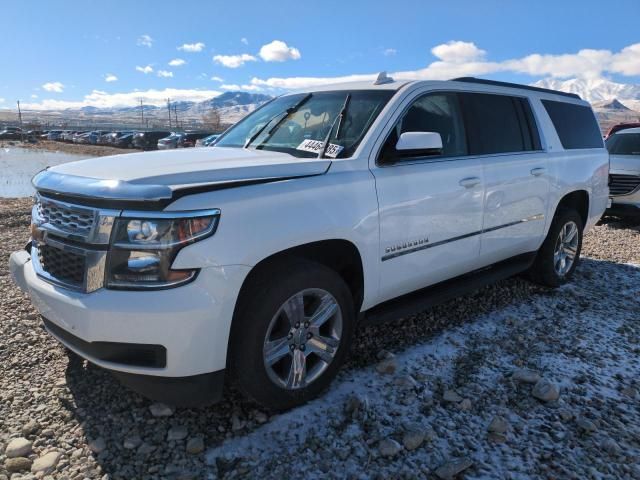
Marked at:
<point>211,120</point>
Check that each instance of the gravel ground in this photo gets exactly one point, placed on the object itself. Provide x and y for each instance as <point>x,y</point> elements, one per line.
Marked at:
<point>460,392</point>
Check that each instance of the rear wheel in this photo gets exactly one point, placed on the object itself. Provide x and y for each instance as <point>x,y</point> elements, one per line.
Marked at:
<point>291,333</point>
<point>559,255</point>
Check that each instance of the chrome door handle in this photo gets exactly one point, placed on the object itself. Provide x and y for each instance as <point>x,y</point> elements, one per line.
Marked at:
<point>536,172</point>
<point>469,182</point>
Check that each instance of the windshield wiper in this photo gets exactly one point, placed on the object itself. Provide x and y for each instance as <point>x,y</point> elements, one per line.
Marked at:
<point>284,115</point>
<point>339,120</point>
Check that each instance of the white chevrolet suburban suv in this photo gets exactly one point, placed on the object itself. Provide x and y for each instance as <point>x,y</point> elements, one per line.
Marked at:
<point>255,259</point>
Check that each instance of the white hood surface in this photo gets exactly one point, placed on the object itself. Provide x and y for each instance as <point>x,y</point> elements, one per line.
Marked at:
<point>183,168</point>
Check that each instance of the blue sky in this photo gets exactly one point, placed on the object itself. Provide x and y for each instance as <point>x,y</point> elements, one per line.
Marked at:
<point>72,53</point>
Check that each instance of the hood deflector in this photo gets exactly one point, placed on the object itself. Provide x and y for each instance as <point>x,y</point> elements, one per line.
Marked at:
<point>122,194</point>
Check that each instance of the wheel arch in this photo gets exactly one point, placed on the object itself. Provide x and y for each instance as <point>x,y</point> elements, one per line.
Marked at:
<point>341,255</point>
<point>577,200</point>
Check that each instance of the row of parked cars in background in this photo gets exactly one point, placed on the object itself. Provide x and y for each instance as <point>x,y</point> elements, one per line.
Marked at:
<point>149,140</point>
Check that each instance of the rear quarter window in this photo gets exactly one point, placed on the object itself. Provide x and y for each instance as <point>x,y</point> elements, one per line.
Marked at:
<point>576,125</point>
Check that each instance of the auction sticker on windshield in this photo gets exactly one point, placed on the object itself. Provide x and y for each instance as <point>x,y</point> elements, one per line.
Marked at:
<point>316,146</point>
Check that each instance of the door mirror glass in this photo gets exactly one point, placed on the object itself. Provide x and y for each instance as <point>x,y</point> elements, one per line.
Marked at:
<point>429,143</point>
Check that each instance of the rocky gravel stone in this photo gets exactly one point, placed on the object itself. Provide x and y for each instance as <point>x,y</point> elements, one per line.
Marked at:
<point>450,396</point>
<point>195,445</point>
<point>449,470</point>
<point>389,447</point>
<point>46,463</point>
<point>498,425</point>
<point>177,433</point>
<point>17,464</point>
<point>18,447</point>
<point>413,438</point>
<point>545,390</point>
<point>161,410</point>
<point>526,376</point>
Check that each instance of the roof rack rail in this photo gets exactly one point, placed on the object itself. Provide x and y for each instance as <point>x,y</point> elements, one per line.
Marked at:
<point>496,83</point>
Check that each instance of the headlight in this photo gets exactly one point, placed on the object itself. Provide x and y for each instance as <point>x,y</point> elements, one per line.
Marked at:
<point>144,246</point>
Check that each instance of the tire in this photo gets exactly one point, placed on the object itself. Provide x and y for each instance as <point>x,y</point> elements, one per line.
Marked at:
<point>547,269</point>
<point>266,317</point>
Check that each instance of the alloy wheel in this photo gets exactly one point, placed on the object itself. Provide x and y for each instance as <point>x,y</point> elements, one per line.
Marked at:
<point>302,339</point>
<point>566,249</point>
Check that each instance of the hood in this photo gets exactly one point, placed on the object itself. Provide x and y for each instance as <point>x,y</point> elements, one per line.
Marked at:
<point>160,175</point>
<point>625,163</point>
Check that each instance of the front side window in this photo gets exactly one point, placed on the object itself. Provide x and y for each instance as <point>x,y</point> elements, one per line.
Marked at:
<point>624,144</point>
<point>298,124</point>
<point>434,112</point>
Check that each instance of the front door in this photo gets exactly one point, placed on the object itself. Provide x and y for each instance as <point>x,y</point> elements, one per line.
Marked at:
<point>430,206</point>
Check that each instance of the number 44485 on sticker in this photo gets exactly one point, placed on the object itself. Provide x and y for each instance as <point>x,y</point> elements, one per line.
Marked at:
<point>316,146</point>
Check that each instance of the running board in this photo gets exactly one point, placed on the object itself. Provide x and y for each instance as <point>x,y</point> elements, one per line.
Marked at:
<point>426,298</point>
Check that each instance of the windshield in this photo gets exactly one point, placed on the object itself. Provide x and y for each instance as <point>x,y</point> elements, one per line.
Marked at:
<point>302,131</point>
<point>624,144</point>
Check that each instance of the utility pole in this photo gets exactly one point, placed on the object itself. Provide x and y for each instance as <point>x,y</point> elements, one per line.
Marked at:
<point>175,112</point>
<point>20,120</point>
<point>169,109</point>
<point>141,114</point>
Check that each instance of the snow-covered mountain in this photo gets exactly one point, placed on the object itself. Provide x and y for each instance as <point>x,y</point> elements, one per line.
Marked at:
<point>597,90</point>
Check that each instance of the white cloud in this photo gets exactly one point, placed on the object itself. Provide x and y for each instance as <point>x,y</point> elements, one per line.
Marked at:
<point>147,69</point>
<point>110,77</point>
<point>176,62</point>
<point>192,47</point>
<point>217,79</point>
<point>458,52</point>
<point>388,52</point>
<point>627,61</point>
<point>234,61</point>
<point>458,59</point>
<point>278,51</point>
<point>144,41</point>
<point>244,40</point>
<point>233,86</point>
<point>2,100</point>
<point>165,74</point>
<point>98,98</point>
<point>53,87</point>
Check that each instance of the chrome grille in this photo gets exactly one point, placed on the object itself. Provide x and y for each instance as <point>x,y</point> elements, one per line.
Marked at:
<point>69,243</point>
<point>66,218</point>
<point>623,184</point>
<point>66,267</point>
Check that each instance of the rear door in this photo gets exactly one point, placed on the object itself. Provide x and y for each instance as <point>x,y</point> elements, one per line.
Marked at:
<point>430,206</point>
<point>502,131</point>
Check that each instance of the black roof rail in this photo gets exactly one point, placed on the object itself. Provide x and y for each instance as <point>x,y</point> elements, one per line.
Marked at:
<point>496,83</point>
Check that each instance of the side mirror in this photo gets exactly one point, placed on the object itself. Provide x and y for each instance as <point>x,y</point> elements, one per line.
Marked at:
<point>429,143</point>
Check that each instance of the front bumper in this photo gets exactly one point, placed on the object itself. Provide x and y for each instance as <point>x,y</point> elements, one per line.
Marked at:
<point>190,323</point>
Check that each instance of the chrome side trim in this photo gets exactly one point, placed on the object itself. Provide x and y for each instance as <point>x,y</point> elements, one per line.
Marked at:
<point>391,254</point>
<point>93,188</point>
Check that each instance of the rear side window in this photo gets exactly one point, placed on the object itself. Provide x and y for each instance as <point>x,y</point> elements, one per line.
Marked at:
<point>576,125</point>
<point>499,124</point>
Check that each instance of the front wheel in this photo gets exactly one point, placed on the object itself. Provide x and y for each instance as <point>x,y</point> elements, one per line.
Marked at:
<point>291,333</point>
<point>559,255</point>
